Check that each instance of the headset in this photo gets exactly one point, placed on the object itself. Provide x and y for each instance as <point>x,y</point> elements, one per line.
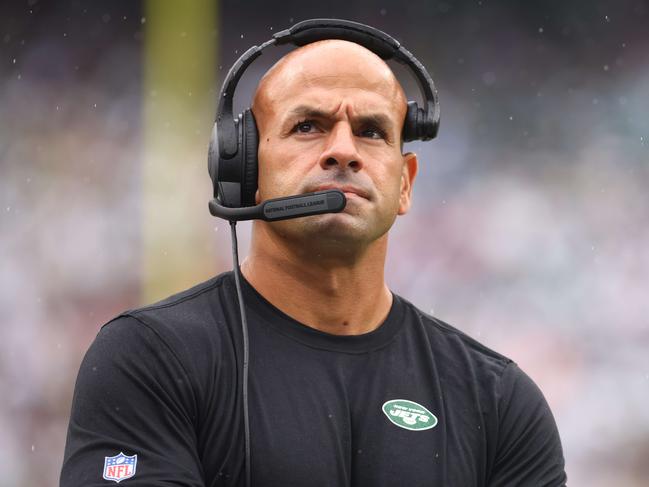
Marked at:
<point>232,154</point>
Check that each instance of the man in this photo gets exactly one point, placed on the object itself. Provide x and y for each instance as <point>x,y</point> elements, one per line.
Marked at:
<point>349,383</point>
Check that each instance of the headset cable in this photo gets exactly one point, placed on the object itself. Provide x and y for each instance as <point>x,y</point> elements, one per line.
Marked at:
<point>244,329</point>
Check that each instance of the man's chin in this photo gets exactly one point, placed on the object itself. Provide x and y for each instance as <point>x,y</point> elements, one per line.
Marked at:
<point>339,236</point>
<point>334,227</point>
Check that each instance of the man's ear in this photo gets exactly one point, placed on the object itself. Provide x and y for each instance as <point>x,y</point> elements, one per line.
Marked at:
<point>408,175</point>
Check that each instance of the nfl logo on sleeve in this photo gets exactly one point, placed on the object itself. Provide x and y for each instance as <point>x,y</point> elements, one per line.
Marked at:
<point>120,467</point>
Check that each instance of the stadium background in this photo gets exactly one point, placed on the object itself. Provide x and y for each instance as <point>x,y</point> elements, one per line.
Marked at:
<point>530,227</point>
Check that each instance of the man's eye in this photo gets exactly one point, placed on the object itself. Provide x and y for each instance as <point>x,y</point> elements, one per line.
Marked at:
<point>304,127</point>
<point>373,133</point>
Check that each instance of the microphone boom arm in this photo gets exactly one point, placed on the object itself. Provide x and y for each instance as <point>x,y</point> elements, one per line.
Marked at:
<point>329,201</point>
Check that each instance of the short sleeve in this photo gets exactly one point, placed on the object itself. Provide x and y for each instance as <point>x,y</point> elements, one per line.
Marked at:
<point>133,414</point>
<point>528,445</point>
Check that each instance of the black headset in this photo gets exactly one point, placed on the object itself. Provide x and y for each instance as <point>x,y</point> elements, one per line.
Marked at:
<point>232,157</point>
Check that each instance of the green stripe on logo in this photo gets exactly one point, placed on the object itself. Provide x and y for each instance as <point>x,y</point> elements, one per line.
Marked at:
<point>409,415</point>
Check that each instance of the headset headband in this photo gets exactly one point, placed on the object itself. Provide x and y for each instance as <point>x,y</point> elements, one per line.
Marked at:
<point>314,30</point>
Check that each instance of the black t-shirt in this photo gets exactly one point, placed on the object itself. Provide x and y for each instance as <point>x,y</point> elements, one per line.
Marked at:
<point>413,403</point>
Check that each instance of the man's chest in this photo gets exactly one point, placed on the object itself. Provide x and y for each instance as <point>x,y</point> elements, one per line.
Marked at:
<point>379,419</point>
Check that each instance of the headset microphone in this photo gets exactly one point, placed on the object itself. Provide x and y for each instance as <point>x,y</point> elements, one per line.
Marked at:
<point>330,201</point>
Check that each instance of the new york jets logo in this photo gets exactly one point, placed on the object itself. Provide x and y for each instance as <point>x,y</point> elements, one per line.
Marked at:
<point>409,415</point>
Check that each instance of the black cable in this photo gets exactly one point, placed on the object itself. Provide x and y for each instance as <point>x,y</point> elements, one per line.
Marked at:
<point>244,329</point>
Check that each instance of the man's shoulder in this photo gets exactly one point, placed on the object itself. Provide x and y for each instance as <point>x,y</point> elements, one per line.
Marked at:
<point>454,345</point>
<point>191,298</point>
<point>195,303</point>
<point>194,314</point>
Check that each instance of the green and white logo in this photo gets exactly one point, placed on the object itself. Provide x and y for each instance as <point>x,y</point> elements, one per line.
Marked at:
<point>409,415</point>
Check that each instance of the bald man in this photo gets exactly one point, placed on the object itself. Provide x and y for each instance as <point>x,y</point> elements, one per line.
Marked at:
<point>350,384</point>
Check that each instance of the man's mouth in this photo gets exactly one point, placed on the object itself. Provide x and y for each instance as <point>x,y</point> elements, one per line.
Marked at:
<point>350,191</point>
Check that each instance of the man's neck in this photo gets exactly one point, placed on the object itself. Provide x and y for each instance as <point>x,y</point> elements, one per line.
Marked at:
<point>341,296</point>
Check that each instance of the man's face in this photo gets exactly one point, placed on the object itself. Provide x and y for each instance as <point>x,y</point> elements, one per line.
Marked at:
<point>331,116</point>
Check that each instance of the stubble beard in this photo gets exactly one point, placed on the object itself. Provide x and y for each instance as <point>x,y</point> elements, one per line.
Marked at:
<point>331,236</point>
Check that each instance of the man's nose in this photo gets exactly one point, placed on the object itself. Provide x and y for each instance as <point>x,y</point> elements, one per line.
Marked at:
<point>341,150</point>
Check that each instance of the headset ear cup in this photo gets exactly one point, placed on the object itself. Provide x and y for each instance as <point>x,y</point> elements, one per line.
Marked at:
<point>410,123</point>
<point>212,159</point>
<point>250,167</point>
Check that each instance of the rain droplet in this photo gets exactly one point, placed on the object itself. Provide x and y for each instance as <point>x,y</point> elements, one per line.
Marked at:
<point>242,36</point>
<point>143,20</point>
<point>383,12</point>
<point>606,18</point>
<point>14,60</point>
<point>511,117</point>
<point>606,67</point>
<point>33,447</point>
<point>540,30</point>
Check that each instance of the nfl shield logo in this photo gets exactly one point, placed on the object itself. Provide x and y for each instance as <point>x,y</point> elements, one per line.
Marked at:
<point>120,467</point>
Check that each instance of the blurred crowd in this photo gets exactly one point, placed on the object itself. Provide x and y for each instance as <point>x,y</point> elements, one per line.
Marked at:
<point>529,231</point>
